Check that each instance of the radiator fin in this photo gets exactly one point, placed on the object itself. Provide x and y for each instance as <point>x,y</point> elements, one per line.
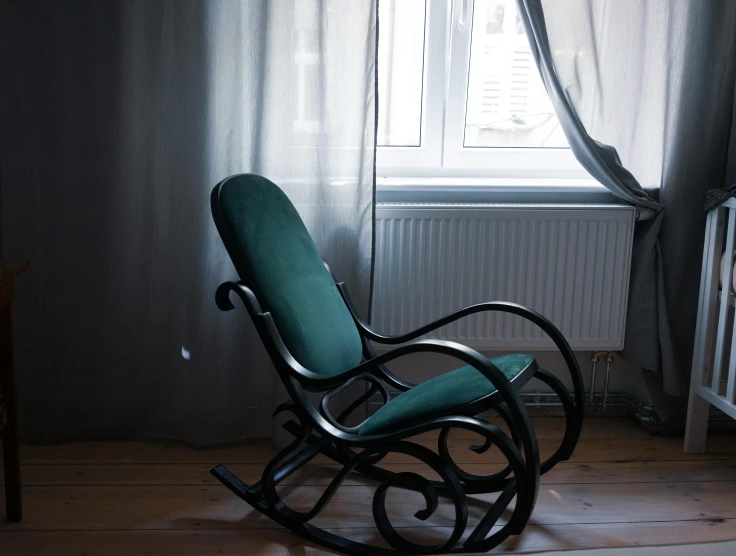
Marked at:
<point>570,263</point>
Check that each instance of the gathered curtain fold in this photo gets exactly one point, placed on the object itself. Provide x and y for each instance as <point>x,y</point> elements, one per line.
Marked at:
<point>116,120</point>
<point>653,82</point>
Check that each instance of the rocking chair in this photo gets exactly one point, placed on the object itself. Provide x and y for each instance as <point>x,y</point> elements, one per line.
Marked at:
<point>319,344</point>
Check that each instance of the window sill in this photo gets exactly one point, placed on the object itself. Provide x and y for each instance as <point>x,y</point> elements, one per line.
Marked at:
<point>492,190</point>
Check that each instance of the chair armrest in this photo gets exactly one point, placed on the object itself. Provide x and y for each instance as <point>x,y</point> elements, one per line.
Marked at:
<point>280,355</point>
<point>502,306</point>
<point>222,297</point>
<point>470,357</point>
<point>499,306</point>
<point>459,351</point>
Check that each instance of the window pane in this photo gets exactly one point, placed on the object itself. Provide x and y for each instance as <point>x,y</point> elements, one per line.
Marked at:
<point>507,103</point>
<point>400,69</point>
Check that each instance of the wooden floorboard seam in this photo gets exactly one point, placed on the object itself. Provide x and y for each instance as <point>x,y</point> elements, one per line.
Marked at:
<point>651,494</point>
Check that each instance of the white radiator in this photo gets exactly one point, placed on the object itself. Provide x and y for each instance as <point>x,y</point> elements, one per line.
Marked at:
<point>569,262</point>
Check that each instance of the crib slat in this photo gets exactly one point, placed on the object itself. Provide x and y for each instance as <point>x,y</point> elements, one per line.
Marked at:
<point>725,294</point>
<point>730,386</point>
<point>708,340</point>
<point>706,302</point>
<point>698,407</point>
<point>731,369</point>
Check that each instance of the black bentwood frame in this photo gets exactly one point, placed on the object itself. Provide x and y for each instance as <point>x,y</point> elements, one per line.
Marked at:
<point>317,431</point>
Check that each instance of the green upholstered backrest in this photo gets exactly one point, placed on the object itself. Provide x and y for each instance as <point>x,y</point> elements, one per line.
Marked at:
<point>276,257</point>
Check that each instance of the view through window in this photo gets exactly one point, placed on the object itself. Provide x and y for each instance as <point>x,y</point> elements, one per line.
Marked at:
<point>459,77</point>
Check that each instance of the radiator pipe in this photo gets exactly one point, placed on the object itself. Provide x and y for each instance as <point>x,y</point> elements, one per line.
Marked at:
<point>640,411</point>
<point>594,358</point>
<point>616,400</point>
<point>609,360</point>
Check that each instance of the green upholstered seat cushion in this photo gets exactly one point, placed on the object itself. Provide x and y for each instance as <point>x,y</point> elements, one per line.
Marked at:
<point>276,257</point>
<point>441,395</point>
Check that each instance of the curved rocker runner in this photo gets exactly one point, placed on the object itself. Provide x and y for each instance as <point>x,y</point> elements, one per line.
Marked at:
<point>319,344</point>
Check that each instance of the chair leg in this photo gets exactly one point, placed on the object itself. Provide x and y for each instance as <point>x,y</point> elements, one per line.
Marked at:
<point>264,498</point>
<point>306,531</point>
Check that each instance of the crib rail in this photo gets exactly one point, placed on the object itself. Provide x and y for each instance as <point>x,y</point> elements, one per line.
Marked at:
<point>713,378</point>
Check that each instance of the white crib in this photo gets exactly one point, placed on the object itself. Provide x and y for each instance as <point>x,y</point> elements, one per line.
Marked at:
<point>713,380</point>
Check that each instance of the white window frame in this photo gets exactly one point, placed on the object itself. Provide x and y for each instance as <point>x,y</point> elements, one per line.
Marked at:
<point>441,154</point>
<point>427,156</point>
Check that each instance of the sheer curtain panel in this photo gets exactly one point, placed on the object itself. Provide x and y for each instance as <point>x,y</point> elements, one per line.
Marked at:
<point>644,90</point>
<point>116,120</point>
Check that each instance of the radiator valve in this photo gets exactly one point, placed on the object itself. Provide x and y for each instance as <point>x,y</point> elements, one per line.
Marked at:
<point>609,360</point>
<point>594,358</point>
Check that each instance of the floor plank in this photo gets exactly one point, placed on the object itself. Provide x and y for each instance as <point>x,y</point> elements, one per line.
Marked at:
<point>282,542</point>
<point>186,474</point>
<point>621,488</point>
<point>127,543</point>
<point>212,507</point>
<point>620,450</point>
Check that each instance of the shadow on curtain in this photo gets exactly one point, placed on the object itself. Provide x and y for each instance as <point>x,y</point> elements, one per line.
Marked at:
<point>117,119</point>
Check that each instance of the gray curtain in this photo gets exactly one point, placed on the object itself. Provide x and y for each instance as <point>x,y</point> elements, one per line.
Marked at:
<point>116,120</point>
<point>644,90</point>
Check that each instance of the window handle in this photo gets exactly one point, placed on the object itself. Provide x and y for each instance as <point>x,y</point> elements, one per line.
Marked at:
<point>461,14</point>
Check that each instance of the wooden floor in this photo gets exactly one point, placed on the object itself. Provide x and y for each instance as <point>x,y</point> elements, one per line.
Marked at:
<point>623,487</point>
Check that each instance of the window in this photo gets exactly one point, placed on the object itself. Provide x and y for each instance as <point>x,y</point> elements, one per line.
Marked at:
<point>401,64</point>
<point>460,94</point>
